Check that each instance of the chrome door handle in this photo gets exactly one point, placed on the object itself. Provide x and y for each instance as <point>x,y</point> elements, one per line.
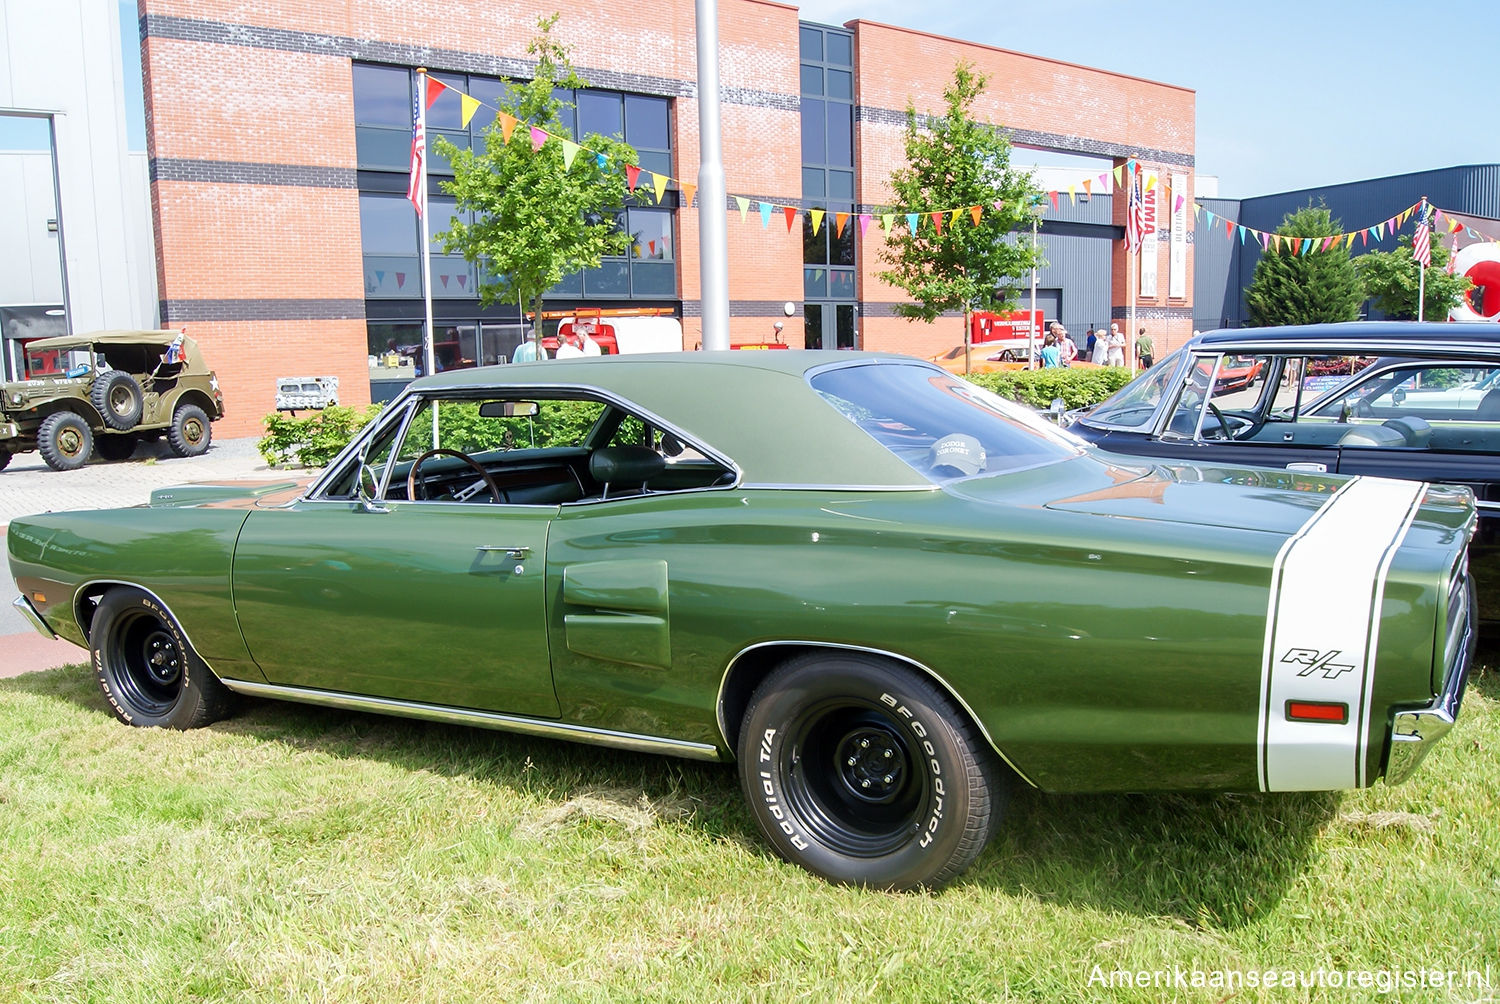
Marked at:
<point>1309,468</point>
<point>514,553</point>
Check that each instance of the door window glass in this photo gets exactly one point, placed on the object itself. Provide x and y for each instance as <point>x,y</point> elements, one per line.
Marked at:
<point>1135,404</point>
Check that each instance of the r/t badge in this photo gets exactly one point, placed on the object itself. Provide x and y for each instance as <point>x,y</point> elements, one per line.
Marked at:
<point>1312,661</point>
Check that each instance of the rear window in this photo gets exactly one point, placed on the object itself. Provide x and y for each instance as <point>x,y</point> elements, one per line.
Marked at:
<point>945,428</point>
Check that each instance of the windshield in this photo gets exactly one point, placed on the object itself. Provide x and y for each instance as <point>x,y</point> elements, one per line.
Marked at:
<point>1133,405</point>
<point>943,427</point>
<point>58,362</point>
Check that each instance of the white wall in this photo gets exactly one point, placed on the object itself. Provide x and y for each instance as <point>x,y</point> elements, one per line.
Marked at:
<point>31,271</point>
<point>63,57</point>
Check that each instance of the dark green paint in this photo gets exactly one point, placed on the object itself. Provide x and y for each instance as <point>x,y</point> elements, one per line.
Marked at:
<point>1103,619</point>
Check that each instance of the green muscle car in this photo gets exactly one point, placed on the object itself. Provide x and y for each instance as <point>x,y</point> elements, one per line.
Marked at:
<point>885,593</point>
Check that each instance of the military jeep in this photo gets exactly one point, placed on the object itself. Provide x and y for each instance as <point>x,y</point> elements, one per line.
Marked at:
<point>106,391</point>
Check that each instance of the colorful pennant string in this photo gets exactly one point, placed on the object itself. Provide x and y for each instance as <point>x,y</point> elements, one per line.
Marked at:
<point>950,217</point>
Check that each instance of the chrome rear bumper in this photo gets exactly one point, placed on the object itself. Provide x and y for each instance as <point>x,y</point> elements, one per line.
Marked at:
<point>1414,731</point>
<point>33,618</point>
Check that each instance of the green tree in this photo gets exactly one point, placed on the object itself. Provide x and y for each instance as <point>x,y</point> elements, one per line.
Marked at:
<point>536,219</point>
<point>1315,287</point>
<point>957,162</point>
<point>1392,278</point>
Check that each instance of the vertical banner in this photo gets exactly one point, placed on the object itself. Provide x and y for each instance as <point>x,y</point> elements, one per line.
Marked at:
<point>1177,276</point>
<point>1150,201</point>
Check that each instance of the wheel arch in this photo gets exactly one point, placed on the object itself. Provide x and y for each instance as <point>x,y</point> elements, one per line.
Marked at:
<point>83,409</point>
<point>195,396</point>
<point>754,663</point>
<point>87,596</point>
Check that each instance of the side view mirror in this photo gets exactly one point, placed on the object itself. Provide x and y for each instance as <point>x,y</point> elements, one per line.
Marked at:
<point>369,485</point>
<point>1057,409</point>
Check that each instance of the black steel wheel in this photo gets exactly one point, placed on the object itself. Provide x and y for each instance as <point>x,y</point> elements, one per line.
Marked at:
<point>5,456</point>
<point>190,433</point>
<point>864,772</point>
<point>117,447</point>
<point>149,673</point>
<point>64,440</point>
<point>119,399</point>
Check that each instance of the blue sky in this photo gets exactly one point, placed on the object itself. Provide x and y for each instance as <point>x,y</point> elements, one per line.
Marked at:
<point>1290,95</point>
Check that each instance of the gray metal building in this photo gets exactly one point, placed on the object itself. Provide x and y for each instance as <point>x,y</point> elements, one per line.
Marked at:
<point>1224,268</point>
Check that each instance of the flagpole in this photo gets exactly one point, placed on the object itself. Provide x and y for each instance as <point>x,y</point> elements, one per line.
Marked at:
<point>1031,322</point>
<point>428,353</point>
<point>1421,268</point>
<point>1132,265</point>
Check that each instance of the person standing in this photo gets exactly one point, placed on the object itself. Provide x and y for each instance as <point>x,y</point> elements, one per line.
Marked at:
<point>1114,353</point>
<point>1090,342</point>
<point>1100,356</point>
<point>1051,356</point>
<point>1144,350</point>
<point>1066,347</point>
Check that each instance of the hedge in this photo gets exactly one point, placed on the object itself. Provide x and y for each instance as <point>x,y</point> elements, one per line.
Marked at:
<point>315,440</point>
<point>1078,387</point>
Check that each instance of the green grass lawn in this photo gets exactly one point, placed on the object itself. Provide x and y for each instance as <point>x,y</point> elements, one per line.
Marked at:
<point>294,853</point>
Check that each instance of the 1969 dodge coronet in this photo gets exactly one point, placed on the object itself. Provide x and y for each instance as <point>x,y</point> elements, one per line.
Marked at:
<point>884,592</point>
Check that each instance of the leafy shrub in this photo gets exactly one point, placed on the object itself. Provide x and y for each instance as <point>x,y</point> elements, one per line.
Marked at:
<point>1078,387</point>
<point>314,440</point>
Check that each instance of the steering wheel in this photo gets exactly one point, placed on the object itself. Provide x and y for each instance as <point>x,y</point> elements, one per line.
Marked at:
<point>1225,430</point>
<point>411,474</point>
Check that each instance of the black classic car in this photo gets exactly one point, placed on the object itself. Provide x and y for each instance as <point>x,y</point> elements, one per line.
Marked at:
<point>1387,398</point>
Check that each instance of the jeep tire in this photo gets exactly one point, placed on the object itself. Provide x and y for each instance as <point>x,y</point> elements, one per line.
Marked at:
<point>65,441</point>
<point>5,456</point>
<point>190,433</point>
<point>118,398</point>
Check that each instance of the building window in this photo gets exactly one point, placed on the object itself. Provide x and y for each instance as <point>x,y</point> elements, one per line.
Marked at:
<point>390,229</point>
<point>828,274</point>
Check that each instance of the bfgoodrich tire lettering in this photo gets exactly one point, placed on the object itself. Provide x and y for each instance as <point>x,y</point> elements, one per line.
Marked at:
<point>864,772</point>
<point>149,673</point>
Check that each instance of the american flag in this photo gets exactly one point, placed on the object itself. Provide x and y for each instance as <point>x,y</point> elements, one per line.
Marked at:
<point>1135,218</point>
<point>416,192</point>
<point>1421,241</point>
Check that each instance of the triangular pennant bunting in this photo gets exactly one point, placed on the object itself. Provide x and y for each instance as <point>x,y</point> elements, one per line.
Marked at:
<point>791,216</point>
<point>467,107</point>
<point>816,215</point>
<point>435,88</point>
<point>538,139</point>
<point>974,213</point>
<point>570,150</point>
<point>507,125</point>
<point>744,204</point>
<point>632,177</point>
<point>688,191</point>
<point>658,185</point>
<point>765,215</point>
<point>840,220</point>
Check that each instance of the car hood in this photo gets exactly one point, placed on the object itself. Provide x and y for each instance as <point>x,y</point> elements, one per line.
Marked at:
<point>241,493</point>
<point>1242,498</point>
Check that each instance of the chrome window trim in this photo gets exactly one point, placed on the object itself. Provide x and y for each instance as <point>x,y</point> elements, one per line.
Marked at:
<point>480,719</point>
<point>904,659</point>
<point>584,392</point>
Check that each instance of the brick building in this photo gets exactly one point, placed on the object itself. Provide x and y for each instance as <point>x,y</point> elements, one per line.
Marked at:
<point>278,132</point>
